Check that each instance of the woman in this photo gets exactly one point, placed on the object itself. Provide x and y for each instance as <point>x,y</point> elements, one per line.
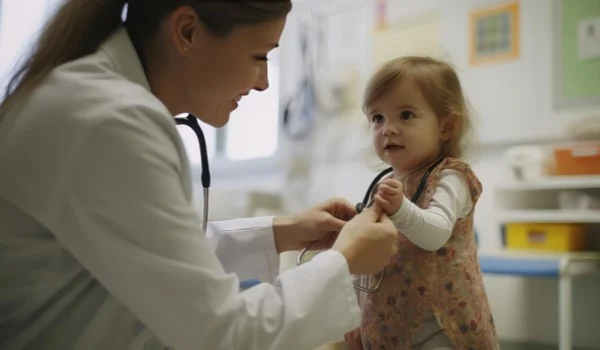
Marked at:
<point>101,247</point>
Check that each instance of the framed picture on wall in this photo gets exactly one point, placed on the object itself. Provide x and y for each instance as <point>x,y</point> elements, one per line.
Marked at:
<point>494,34</point>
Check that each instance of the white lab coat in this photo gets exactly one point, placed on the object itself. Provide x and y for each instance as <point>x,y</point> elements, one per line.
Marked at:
<point>100,245</point>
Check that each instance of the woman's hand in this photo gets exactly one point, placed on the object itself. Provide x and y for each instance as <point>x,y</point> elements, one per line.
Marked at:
<point>321,223</point>
<point>368,241</point>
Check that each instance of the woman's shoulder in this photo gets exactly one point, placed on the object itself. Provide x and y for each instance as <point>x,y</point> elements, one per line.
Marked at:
<point>80,113</point>
<point>89,87</point>
<point>86,104</point>
<point>88,96</point>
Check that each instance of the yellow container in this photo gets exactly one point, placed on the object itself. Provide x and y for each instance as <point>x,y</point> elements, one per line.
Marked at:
<point>547,237</point>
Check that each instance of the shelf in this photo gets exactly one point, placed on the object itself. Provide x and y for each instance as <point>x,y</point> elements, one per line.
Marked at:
<point>511,345</point>
<point>538,255</point>
<point>553,183</point>
<point>539,264</point>
<point>550,216</point>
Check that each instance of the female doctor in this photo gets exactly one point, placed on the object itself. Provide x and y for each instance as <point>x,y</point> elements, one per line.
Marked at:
<point>100,246</point>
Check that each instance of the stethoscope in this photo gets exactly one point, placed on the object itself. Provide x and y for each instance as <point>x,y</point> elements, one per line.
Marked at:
<point>367,202</point>
<point>192,122</point>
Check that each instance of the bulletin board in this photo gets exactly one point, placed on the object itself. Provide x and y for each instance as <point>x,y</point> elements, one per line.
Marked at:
<point>576,68</point>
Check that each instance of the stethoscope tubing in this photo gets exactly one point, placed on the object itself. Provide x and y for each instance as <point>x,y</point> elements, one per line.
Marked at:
<point>192,122</point>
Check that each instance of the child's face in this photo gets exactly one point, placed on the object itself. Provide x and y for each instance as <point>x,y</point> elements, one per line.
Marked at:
<point>406,132</point>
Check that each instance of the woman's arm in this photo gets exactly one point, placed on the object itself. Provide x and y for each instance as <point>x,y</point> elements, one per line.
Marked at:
<point>431,228</point>
<point>125,215</point>
<point>259,240</point>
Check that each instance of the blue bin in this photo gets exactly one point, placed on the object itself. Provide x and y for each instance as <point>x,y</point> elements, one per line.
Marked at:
<point>249,283</point>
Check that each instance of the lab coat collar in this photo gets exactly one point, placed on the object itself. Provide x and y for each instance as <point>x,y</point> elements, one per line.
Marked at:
<point>119,48</point>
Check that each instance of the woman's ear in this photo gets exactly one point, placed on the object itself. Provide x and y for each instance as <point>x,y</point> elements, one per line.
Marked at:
<point>448,127</point>
<point>185,29</point>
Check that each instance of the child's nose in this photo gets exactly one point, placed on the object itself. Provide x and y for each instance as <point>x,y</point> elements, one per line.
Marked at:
<point>390,129</point>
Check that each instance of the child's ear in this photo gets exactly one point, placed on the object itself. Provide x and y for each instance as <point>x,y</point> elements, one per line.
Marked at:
<point>448,127</point>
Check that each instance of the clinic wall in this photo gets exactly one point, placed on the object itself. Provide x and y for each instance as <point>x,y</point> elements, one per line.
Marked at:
<point>518,110</point>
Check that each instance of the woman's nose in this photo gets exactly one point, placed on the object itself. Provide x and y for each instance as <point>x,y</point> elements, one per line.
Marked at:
<point>263,80</point>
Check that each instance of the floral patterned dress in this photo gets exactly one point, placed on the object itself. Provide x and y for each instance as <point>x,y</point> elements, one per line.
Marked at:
<point>447,283</point>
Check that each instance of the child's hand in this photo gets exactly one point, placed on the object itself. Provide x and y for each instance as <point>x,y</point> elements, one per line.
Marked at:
<point>389,196</point>
<point>353,340</point>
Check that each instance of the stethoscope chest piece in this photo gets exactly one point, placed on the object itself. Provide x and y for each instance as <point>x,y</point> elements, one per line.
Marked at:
<point>359,208</point>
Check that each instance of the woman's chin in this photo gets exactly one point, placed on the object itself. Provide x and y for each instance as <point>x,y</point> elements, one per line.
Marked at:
<point>216,120</point>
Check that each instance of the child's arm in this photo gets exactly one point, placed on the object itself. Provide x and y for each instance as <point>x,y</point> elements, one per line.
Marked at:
<point>431,228</point>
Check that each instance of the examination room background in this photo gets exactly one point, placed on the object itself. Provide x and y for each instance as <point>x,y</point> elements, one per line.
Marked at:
<point>258,160</point>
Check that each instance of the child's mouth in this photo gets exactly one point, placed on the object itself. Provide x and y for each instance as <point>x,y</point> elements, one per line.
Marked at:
<point>394,148</point>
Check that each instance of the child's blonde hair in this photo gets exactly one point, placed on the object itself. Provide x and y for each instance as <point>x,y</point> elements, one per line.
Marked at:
<point>439,84</point>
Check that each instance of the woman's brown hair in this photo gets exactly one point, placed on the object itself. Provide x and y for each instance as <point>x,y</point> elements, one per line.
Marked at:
<point>80,26</point>
<point>441,87</point>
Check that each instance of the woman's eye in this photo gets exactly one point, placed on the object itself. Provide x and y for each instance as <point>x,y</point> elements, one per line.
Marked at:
<point>261,58</point>
<point>377,118</point>
<point>406,115</point>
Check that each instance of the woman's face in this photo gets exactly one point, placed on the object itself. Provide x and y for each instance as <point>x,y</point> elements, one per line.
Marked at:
<point>216,73</point>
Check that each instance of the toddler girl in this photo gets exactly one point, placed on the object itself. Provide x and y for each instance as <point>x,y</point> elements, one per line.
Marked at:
<point>432,295</point>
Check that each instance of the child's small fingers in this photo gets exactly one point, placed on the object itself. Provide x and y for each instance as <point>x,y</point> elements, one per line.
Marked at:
<point>382,202</point>
<point>392,183</point>
<point>387,190</point>
<point>376,187</point>
<point>379,198</point>
<point>386,182</point>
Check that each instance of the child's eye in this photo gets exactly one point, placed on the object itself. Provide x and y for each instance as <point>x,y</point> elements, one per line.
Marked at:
<point>377,118</point>
<point>406,115</point>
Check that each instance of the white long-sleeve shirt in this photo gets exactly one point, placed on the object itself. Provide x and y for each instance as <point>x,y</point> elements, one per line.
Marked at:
<point>431,228</point>
<point>100,247</point>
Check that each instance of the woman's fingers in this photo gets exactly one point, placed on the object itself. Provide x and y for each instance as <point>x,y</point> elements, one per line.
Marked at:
<point>324,242</point>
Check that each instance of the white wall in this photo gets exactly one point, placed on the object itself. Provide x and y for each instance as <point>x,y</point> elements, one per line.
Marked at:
<point>18,27</point>
<point>514,104</point>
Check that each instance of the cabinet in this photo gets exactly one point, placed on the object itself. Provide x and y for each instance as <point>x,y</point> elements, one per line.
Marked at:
<point>540,201</point>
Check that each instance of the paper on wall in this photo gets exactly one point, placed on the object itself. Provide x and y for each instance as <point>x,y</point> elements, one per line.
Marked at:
<point>588,39</point>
